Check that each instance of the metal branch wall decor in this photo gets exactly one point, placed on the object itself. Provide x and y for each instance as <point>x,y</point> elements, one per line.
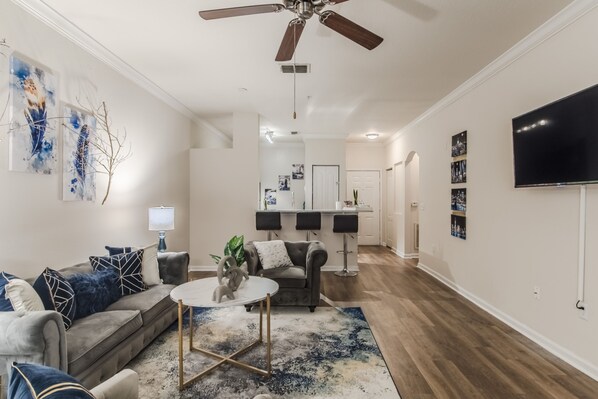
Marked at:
<point>109,145</point>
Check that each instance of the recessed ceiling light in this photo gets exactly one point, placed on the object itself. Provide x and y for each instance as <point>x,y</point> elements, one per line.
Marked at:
<point>372,136</point>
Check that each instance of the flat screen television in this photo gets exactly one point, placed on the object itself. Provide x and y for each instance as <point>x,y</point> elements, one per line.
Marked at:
<point>557,144</point>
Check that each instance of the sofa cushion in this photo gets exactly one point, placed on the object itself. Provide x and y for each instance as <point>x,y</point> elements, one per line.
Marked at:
<point>5,305</point>
<point>94,292</point>
<point>118,250</point>
<point>286,277</point>
<point>272,254</point>
<point>56,294</point>
<point>91,337</point>
<point>151,302</point>
<point>22,297</point>
<point>149,264</point>
<point>128,267</point>
<point>29,381</point>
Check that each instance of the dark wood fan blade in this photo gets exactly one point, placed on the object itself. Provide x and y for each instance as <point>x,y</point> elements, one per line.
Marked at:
<point>333,2</point>
<point>290,40</point>
<point>350,30</point>
<point>240,11</point>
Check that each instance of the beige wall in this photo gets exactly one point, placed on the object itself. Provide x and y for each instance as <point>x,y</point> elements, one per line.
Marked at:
<point>276,160</point>
<point>224,191</point>
<point>37,229</point>
<point>516,238</point>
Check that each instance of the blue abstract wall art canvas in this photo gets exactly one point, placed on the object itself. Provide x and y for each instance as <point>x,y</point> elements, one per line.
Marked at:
<point>78,179</point>
<point>33,118</point>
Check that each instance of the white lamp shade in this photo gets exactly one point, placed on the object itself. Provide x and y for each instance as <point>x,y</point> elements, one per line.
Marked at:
<point>161,218</point>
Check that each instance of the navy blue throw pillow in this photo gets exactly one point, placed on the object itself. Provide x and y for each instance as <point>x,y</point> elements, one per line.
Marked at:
<point>118,250</point>
<point>5,305</point>
<point>31,381</point>
<point>94,292</point>
<point>56,294</point>
<point>128,268</point>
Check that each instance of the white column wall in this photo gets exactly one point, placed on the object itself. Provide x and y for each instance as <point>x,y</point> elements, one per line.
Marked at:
<point>224,191</point>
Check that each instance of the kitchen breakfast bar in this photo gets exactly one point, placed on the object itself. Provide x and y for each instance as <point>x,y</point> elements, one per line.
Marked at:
<point>291,220</point>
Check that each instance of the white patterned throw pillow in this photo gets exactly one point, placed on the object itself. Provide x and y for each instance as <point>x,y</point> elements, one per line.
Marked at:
<point>272,254</point>
<point>150,271</point>
<point>22,296</point>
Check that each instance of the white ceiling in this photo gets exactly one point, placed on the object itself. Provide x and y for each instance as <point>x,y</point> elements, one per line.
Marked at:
<point>430,47</point>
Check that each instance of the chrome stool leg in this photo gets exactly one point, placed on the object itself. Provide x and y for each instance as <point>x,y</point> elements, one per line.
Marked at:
<point>345,272</point>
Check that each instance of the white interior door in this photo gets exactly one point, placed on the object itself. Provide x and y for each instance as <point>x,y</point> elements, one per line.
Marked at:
<point>367,183</point>
<point>325,186</point>
<point>390,202</point>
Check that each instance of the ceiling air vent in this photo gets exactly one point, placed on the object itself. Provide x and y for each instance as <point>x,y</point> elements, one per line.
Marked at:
<point>300,68</point>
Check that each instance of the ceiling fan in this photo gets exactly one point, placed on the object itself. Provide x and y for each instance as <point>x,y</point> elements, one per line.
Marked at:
<point>304,10</point>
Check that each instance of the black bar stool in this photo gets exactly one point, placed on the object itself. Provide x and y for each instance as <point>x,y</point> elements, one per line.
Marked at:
<point>345,224</point>
<point>309,221</point>
<point>268,221</point>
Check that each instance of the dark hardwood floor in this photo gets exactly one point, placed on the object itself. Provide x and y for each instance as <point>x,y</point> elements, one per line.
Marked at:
<point>439,345</point>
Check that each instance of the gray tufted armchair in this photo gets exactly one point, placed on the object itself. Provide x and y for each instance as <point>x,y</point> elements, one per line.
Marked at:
<point>299,284</point>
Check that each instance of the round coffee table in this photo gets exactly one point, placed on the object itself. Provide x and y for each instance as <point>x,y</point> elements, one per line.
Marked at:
<point>198,293</point>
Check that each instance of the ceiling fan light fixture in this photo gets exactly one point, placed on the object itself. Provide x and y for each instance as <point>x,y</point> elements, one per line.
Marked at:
<point>372,136</point>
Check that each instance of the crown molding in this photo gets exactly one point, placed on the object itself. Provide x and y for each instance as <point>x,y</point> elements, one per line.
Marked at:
<point>57,22</point>
<point>554,25</point>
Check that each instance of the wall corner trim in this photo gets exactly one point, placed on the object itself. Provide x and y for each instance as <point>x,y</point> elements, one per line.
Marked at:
<point>568,15</point>
<point>564,354</point>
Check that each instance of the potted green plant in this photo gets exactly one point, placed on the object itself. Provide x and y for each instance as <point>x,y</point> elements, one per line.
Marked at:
<point>234,248</point>
<point>355,196</point>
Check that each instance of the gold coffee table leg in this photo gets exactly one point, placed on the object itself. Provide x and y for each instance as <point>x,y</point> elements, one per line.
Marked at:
<point>190,328</point>
<point>222,359</point>
<point>268,340</point>
<point>180,345</point>
<point>261,319</point>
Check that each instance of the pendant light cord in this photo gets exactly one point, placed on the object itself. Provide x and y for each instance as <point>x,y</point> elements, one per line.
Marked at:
<point>294,71</point>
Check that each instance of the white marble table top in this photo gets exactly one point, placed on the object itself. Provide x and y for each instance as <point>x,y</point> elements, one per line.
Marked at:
<point>199,292</point>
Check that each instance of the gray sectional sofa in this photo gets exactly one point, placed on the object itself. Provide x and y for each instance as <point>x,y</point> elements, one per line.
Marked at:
<point>96,347</point>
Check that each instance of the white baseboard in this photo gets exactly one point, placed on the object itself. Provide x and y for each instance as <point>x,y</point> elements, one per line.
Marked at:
<point>404,255</point>
<point>566,355</point>
<point>210,268</point>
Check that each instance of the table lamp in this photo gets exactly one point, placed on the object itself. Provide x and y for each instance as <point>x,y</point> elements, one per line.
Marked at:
<point>161,218</point>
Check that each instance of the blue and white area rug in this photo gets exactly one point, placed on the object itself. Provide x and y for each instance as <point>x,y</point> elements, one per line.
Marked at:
<point>327,354</point>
